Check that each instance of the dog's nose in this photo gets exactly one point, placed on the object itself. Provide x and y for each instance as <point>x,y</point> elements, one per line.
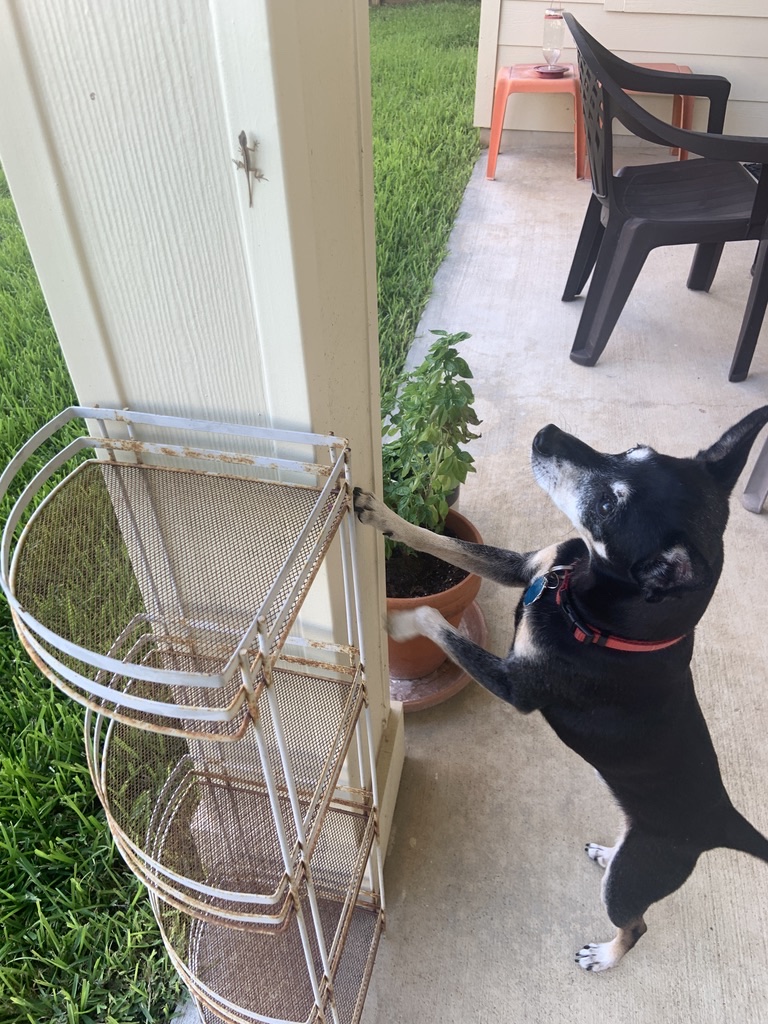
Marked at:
<point>544,441</point>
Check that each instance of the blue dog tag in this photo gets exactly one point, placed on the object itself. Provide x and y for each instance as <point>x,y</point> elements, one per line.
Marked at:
<point>535,590</point>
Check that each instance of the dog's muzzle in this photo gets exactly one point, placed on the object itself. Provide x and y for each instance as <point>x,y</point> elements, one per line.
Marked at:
<point>545,442</point>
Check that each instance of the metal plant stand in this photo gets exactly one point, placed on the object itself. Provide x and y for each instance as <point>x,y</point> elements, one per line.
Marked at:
<point>156,569</point>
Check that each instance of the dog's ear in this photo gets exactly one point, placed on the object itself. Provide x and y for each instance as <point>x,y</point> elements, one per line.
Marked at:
<point>674,571</point>
<point>728,456</point>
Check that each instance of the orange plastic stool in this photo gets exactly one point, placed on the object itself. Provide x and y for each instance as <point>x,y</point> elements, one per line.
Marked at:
<point>523,78</point>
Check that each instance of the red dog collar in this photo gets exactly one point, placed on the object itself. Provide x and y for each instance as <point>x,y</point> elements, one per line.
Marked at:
<point>589,635</point>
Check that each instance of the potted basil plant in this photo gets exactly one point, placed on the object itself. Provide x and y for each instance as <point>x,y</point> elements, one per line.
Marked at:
<point>425,462</point>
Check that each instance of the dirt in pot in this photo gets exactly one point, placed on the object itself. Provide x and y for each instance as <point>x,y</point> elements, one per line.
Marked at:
<point>415,574</point>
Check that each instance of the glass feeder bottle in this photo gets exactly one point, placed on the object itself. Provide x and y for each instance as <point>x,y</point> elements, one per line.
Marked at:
<point>554,33</point>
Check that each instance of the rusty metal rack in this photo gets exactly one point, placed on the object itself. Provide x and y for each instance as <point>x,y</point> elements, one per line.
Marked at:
<point>169,814</point>
<point>156,569</point>
<point>225,974</point>
<point>151,587</point>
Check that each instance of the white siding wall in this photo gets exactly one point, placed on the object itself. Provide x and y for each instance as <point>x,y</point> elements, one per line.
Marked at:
<point>722,37</point>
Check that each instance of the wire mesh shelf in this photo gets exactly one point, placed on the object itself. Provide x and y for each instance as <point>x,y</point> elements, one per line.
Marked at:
<point>142,578</point>
<point>339,858</point>
<point>235,979</point>
<point>194,819</point>
<point>156,567</point>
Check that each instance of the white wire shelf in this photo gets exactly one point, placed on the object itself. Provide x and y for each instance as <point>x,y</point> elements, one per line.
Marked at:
<point>155,567</point>
<point>239,981</point>
<point>149,580</point>
<point>193,817</point>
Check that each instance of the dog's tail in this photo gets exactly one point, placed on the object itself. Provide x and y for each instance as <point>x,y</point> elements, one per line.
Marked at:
<point>742,835</point>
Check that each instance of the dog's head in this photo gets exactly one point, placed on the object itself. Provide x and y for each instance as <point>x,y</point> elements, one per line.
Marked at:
<point>645,517</point>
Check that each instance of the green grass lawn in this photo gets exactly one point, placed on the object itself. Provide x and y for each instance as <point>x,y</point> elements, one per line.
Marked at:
<point>78,943</point>
<point>423,61</point>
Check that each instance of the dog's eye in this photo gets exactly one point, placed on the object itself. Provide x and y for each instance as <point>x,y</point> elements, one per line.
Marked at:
<point>606,504</point>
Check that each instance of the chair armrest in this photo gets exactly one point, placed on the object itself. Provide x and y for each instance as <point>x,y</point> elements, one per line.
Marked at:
<point>629,76</point>
<point>741,148</point>
<point>683,83</point>
<point>715,88</point>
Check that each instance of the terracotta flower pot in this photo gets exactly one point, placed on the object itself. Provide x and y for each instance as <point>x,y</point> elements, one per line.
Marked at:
<point>416,658</point>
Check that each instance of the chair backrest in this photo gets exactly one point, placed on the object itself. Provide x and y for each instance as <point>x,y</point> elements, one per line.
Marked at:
<point>597,128</point>
<point>604,77</point>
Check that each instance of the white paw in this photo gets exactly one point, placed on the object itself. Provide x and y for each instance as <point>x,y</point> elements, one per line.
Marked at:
<point>597,956</point>
<point>403,626</point>
<point>603,855</point>
<point>424,621</point>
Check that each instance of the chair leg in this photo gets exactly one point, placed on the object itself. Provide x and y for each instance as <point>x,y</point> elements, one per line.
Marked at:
<point>753,316</point>
<point>620,260</point>
<point>586,252</point>
<point>704,266</point>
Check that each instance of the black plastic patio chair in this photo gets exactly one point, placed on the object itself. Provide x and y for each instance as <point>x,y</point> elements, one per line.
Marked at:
<point>706,201</point>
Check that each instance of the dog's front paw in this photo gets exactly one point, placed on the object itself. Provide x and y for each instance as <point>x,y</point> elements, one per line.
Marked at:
<point>596,956</point>
<point>602,855</point>
<point>370,510</point>
<point>403,626</point>
<point>362,502</point>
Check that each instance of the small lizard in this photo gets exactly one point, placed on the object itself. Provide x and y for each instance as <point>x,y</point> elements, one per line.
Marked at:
<point>246,164</point>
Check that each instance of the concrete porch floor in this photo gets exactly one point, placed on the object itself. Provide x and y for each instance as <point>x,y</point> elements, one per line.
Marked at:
<point>489,891</point>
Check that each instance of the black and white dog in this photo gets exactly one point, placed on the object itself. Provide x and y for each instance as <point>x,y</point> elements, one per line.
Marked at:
<point>603,642</point>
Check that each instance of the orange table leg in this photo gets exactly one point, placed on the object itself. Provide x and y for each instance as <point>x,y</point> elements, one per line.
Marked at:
<point>682,106</point>
<point>497,119</point>
<point>686,116</point>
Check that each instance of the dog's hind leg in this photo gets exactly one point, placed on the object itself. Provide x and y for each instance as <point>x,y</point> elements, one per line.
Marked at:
<point>600,956</point>
<point>643,870</point>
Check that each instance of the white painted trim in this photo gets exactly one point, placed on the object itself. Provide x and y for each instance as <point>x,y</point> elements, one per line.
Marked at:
<point>389,767</point>
<point>248,65</point>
